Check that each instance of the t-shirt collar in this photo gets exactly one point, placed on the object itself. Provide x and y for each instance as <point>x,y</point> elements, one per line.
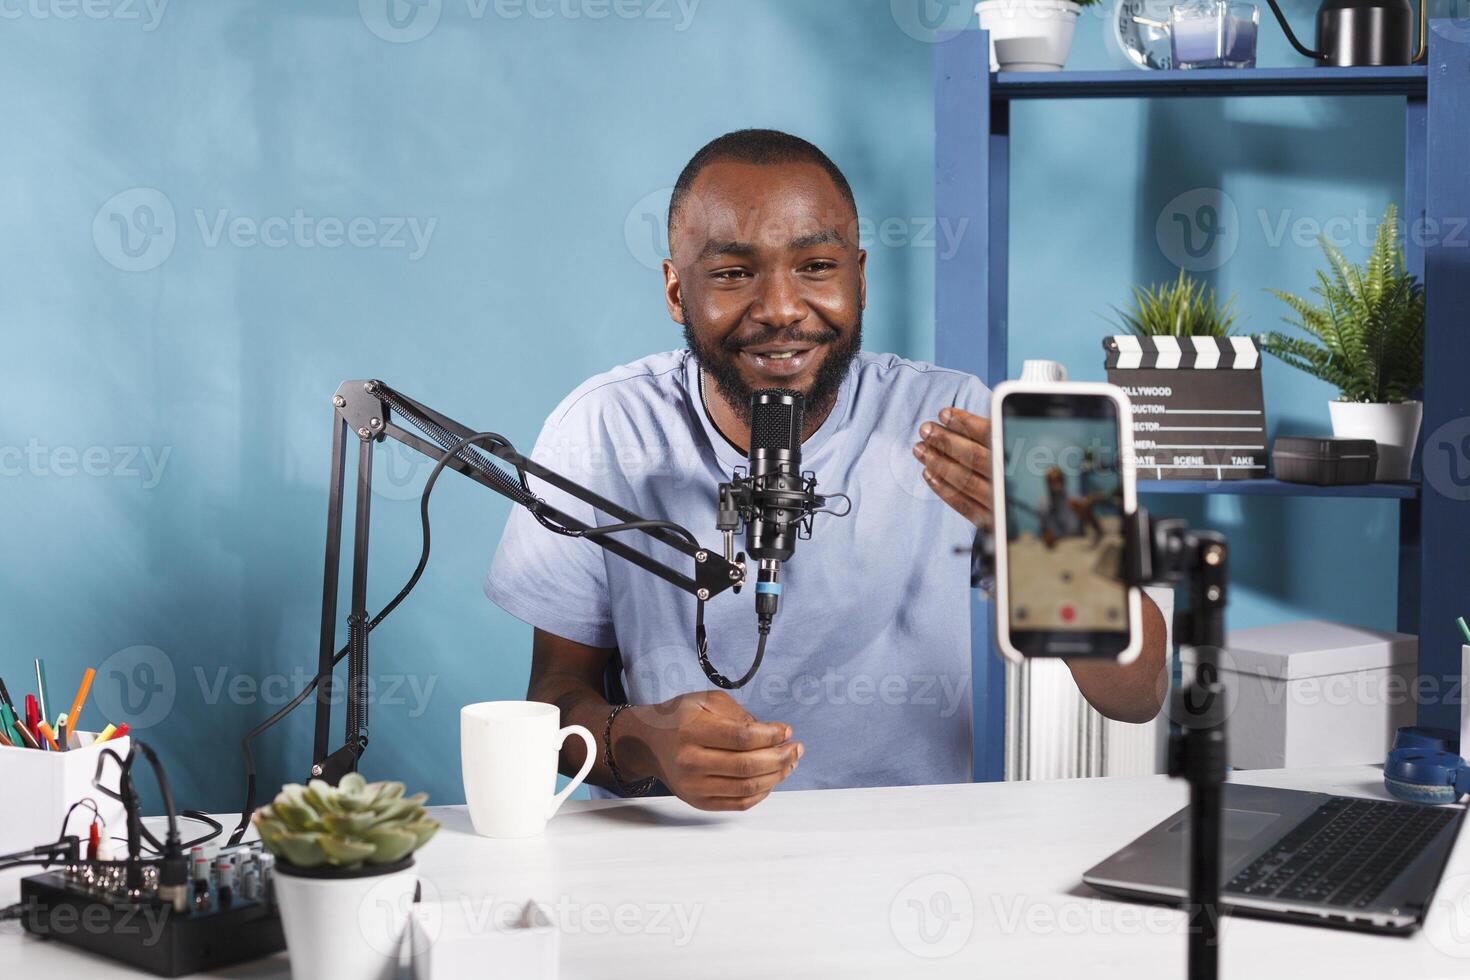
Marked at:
<point>728,455</point>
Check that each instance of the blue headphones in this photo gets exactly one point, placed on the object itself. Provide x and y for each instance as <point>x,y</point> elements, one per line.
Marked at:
<point>1424,766</point>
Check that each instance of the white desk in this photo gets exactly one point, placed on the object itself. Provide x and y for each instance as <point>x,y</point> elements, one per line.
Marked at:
<point>811,884</point>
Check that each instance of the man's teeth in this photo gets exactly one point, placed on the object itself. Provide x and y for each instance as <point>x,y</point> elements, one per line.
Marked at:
<point>784,355</point>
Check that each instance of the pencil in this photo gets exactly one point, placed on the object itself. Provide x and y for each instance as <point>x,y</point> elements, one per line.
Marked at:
<point>42,694</point>
<point>74,715</point>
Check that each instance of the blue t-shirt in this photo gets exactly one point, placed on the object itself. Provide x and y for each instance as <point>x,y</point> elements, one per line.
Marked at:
<point>868,659</point>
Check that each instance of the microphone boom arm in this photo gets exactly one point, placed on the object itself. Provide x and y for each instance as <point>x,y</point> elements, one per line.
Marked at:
<point>366,410</point>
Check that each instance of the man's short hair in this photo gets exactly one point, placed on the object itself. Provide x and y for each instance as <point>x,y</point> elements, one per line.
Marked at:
<point>760,147</point>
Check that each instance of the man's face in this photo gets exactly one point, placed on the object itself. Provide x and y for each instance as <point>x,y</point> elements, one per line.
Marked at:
<point>767,278</point>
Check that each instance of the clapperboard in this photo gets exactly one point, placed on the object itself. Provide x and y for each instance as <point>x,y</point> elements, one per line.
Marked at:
<point>1198,413</point>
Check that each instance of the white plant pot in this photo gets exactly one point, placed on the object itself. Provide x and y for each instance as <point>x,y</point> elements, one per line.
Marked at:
<point>1028,35</point>
<point>1394,427</point>
<point>345,928</point>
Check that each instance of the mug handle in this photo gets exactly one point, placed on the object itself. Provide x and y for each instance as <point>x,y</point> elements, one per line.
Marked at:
<point>586,736</point>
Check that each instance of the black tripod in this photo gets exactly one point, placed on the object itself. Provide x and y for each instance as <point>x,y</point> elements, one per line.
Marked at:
<point>1166,552</point>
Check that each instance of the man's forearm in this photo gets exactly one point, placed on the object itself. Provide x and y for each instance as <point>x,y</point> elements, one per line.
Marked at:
<point>1132,693</point>
<point>582,704</point>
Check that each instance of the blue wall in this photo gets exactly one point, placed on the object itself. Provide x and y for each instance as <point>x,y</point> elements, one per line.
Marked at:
<point>164,421</point>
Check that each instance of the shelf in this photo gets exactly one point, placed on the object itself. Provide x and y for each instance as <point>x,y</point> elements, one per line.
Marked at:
<point>1275,488</point>
<point>1409,80</point>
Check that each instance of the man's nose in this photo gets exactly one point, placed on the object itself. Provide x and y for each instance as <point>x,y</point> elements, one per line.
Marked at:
<point>779,303</point>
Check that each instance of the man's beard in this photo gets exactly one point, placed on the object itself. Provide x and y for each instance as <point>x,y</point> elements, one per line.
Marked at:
<point>722,364</point>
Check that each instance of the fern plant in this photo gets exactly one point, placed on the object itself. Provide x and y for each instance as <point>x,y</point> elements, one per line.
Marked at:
<point>1369,324</point>
<point>1185,307</point>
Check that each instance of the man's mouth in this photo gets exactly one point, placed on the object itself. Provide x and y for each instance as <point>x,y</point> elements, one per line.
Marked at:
<point>779,362</point>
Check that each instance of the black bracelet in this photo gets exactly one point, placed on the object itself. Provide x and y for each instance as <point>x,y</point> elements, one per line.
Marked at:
<point>640,788</point>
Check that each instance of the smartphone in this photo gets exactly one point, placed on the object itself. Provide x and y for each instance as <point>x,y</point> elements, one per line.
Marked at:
<point>1063,455</point>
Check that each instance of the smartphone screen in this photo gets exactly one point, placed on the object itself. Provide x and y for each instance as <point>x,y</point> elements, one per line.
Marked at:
<point>1064,500</point>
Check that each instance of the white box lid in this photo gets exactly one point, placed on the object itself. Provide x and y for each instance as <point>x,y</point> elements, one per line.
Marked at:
<point>1313,648</point>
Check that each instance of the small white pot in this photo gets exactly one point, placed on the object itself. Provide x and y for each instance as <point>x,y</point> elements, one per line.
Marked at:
<point>1394,427</point>
<point>346,927</point>
<point>1028,35</point>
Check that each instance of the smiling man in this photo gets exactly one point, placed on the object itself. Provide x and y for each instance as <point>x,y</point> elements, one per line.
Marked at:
<point>866,679</point>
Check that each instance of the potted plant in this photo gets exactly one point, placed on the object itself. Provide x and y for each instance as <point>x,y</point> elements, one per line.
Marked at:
<point>1370,332</point>
<point>1030,35</point>
<point>343,878</point>
<point>1185,307</point>
<point>1198,411</point>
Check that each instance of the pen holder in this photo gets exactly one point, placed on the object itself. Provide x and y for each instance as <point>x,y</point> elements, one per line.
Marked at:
<point>39,787</point>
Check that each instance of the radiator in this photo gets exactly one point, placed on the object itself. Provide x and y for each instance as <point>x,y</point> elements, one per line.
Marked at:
<point>1053,733</point>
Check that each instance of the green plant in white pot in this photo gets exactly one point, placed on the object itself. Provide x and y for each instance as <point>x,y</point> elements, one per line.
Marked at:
<point>1369,333</point>
<point>344,878</point>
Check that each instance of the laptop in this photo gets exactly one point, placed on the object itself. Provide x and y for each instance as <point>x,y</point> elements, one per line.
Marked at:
<point>1362,864</point>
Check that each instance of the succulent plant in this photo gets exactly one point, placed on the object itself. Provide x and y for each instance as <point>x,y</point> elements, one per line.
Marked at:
<point>353,824</point>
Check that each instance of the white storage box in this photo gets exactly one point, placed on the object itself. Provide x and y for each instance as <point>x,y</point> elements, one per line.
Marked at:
<point>1314,693</point>
<point>40,787</point>
<point>482,937</point>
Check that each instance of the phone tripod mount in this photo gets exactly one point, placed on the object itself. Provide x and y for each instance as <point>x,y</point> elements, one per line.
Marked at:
<point>1165,551</point>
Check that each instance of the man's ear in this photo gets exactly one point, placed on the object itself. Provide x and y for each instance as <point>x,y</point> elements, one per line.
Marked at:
<point>862,278</point>
<point>673,292</point>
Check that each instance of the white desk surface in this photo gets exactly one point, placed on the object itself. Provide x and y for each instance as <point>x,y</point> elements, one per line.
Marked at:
<point>829,884</point>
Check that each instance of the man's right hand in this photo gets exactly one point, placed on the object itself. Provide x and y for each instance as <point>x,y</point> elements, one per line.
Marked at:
<point>706,749</point>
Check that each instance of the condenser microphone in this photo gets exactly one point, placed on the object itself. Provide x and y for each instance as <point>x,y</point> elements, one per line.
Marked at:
<point>776,502</point>
<point>780,498</point>
<point>778,489</point>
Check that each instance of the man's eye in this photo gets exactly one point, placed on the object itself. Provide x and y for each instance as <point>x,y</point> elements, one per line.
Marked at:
<point>730,275</point>
<point>821,265</point>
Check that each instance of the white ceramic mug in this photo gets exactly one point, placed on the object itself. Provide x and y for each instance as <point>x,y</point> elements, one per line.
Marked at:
<point>508,758</point>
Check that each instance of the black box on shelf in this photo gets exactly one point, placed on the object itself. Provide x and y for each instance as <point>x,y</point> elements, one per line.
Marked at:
<point>1323,461</point>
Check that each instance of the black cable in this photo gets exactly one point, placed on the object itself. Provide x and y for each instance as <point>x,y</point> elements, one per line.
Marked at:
<point>84,801</point>
<point>701,648</point>
<point>593,532</point>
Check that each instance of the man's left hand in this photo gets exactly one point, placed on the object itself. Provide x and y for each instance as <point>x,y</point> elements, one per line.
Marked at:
<point>955,452</point>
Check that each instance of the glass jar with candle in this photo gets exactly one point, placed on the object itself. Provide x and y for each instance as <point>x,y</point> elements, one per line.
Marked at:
<point>1213,34</point>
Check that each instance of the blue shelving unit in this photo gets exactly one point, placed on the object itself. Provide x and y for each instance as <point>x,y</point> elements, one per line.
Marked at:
<point>972,184</point>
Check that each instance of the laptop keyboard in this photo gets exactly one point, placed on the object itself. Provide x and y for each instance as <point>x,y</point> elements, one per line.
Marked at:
<point>1344,854</point>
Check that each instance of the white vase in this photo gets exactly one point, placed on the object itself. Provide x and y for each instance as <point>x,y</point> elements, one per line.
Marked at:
<point>1028,35</point>
<point>345,926</point>
<point>1394,427</point>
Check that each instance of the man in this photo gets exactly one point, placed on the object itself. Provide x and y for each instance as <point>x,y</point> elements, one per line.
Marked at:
<point>866,679</point>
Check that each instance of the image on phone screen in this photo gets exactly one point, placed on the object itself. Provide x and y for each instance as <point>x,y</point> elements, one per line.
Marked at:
<point>1064,521</point>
